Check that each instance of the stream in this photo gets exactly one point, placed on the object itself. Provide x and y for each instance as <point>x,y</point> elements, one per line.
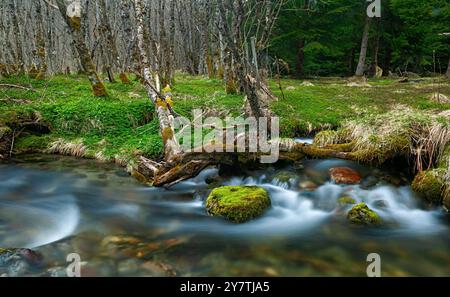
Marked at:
<point>62,205</point>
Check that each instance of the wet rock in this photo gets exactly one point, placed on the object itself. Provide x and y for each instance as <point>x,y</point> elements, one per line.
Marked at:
<point>361,214</point>
<point>369,182</point>
<point>121,246</point>
<point>381,204</point>
<point>157,268</point>
<point>128,267</point>
<point>429,184</point>
<point>285,177</point>
<point>345,175</point>
<point>19,262</point>
<point>307,185</point>
<point>346,200</point>
<point>446,200</point>
<point>393,180</point>
<point>58,271</point>
<point>238,203</point>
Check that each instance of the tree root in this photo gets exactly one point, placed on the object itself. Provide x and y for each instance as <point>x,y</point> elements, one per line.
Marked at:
<point>190,164</point>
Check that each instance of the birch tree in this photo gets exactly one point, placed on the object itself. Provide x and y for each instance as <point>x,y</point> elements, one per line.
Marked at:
<point>364,45</point>
<point>72,15</point>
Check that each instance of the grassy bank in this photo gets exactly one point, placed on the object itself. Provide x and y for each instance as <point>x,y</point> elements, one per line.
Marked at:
<point>122,125</point>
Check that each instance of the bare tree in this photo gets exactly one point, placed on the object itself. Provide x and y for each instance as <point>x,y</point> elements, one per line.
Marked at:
<point>241,22</point>
<point>72,15</point>
<point>448,70</point>
<point>364,45</point>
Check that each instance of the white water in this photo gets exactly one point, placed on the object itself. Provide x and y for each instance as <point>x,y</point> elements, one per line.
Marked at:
<point>39,222</point>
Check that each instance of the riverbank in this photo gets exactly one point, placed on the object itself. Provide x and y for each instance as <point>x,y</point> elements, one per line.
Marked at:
<point>380,120</point>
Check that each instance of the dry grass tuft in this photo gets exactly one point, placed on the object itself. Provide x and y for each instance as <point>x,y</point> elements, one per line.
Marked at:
<point>63,147</point>
<point>401,132</point>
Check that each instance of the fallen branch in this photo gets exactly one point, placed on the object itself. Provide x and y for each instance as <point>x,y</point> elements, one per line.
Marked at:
<point>16,87</point>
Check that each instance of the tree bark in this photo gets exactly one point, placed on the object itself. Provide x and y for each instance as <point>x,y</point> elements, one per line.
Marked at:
<point>300,58</point>
<point>75,23</point>
<point>171,147</point>
<point>17,37</point>
<point>448,69</point>
<point>363,53</point>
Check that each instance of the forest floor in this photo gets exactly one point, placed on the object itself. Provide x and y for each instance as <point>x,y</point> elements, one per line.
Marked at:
<point>121,126</point>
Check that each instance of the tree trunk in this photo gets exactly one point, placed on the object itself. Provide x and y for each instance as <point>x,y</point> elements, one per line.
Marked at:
<point>75,22</point>
<point>351,62</point>
<point>17,37</point>
<point>374,65</point>
<point>387,61</point>
<point>300,58</point>
<point>448,69</point>
<point>171,147</point>
<point>364,44</point>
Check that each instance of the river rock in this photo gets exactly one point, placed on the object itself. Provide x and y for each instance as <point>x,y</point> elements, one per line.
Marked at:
<point>361,214</point>
<point>19,262</point>
<point>381,204</point>
<point>307,185</point>
<point>345,175</point>
<point>429,184</point>
<point>346,200</point>
<point>285,177</point>
<point>238,203</point>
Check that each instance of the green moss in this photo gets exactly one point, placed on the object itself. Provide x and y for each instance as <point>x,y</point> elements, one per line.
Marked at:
<point>238,203</point>
<point>285,176</point>
<point>429,184</point>
<point>346,200</point>
<point>361,214</point>
<point>32,143</point>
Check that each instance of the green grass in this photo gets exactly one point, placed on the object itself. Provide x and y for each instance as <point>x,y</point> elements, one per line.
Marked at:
<point>123,123</point>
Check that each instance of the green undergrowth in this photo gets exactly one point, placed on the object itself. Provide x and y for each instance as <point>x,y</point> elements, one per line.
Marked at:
<point>123,125</point>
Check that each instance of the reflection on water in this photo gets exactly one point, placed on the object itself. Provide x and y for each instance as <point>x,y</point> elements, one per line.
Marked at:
<point>119,227</point>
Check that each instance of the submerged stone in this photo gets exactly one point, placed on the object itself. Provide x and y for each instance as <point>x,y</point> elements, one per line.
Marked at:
<point>307,185</point>
<point>345,175</point>
<point>346,200</point>
<point>361,214</point>
<point>285,177</point>
<point>238,203</point>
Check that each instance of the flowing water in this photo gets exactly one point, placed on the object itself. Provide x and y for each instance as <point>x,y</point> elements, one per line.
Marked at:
<point>58,206</point>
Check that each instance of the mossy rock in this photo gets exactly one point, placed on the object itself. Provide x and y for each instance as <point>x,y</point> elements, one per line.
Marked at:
<point>5,140</point>
<point>346,200</point>
<point>361,214</point>
<point>446,199</point>
<point>285,176</point>
<point>238,203</point>
<point>429,184</point>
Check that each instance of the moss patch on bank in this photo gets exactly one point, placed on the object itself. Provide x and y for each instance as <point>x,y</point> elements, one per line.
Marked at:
<point>123,125</point>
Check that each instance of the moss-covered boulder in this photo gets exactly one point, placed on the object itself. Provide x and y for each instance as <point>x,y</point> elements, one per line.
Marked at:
<point>446,200</point>
<point>429,184</point>
<point>238,203</point>
<point>361,214</point>
<point>346,200</point>
<point>285,177</point>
